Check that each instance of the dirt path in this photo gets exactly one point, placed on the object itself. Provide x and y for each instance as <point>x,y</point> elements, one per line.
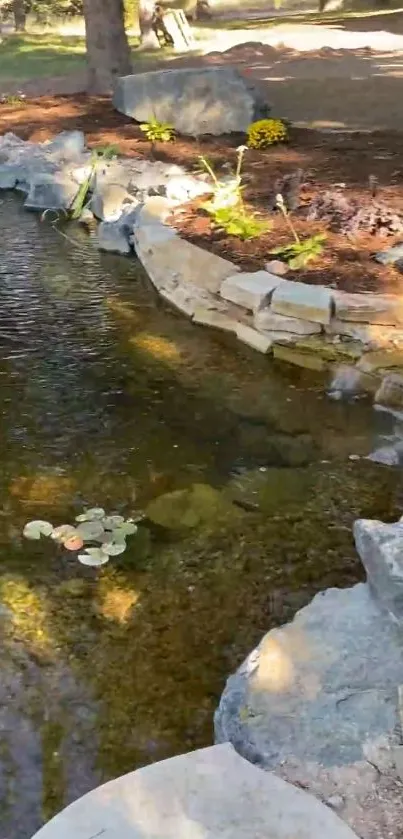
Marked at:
<point>321,76</point>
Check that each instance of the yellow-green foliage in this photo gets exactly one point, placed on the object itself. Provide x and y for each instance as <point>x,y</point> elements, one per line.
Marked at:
<point>266,132</point>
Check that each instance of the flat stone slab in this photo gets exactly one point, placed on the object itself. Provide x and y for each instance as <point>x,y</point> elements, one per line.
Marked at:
<point>317,701</point>
<point>266,321</point>
<point>210,100</point>
<point>368,308</point>
<point>250,290</point>
<point>208,794</point>
<point>297,300</point>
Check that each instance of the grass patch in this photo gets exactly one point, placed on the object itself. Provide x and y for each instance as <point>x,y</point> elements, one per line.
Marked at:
<point>32,56</point>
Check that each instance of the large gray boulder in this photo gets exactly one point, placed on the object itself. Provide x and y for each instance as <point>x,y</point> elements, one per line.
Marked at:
<point>212,100</point>
<point>317,701</point>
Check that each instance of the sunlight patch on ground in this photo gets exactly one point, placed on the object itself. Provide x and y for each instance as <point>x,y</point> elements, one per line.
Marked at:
<point>116,603</point>
<point>155,345</point>
<point>28,616</point>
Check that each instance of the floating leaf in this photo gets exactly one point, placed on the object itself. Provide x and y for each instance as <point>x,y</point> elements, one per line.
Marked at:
<point>93,557</point>
<point>113,548</point>
<point>63,532</point>
<point>126,529</point>
<point>36,529</point>
<point>92,515</point>
<point>110,522</point>
<point>113,536</point>
<point>73,543</point>
<point>90,530</point>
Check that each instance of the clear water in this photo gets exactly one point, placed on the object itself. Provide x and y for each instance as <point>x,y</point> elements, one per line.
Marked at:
<point>108,398</point>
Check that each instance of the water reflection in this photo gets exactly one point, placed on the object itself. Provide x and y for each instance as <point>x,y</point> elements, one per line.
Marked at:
<point>108,399</point>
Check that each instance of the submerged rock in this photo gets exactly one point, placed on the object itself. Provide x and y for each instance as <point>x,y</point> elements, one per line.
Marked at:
<point>187,508</point>
<point>270,490</point>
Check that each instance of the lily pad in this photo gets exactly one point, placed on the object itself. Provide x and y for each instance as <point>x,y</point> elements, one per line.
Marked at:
<point>113,548</point>
<point>96,513</point>
<point>63,532</point>
<point>110,522</point>
<point>128,528</point>
<point>93,557</point>
<point>35,529</point>
<point>73,543</point>
<point>90,530</point>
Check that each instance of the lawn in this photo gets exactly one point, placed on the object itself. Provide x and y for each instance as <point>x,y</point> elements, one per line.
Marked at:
<point>32,56</point>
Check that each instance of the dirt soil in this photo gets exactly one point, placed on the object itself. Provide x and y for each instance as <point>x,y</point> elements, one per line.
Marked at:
<point>326,159</point>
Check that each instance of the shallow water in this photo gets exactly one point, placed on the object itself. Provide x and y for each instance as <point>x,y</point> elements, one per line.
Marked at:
<point>107,398</point>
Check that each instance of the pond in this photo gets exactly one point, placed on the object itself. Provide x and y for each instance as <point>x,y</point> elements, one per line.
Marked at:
<point>108,398</point>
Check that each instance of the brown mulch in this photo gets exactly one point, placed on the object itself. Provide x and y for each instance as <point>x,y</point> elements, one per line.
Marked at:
<point>327,159</point>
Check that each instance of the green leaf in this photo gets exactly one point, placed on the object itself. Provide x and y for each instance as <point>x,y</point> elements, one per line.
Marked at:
<point>93,557</point>
<point>114,547</point>
<point>96,513</point>
<point>35,529</point>
<point>90,530</point>
<point>64,531</point>
<point>110,522</point>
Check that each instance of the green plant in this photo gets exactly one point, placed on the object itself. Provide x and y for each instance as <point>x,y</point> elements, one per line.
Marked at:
<point>158,132</point>
<point>237,222</point>
<point>226,192</point>
<point>266,132</point>
<point>226,206</point>
<point>101,153</point>
<point>300,252</point>
<point>14,100</point>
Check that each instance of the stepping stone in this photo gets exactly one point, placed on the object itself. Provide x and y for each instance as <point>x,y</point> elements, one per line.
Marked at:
<point>212,793</point>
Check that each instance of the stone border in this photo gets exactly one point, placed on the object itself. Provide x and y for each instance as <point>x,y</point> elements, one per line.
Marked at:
<point>357,336</point>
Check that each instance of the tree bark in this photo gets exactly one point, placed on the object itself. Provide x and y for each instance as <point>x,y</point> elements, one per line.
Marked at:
<point>20,15</point>
<point>148,38</point>
<point>108,51</point>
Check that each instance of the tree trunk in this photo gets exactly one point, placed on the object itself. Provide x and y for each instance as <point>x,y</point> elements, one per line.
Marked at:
<point>108,51</point>
<point>148,37</point>
<point>20,15</point>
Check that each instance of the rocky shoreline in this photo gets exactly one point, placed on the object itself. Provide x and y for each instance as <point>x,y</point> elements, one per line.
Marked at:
<point>356,338</point>
<point>319,701</point>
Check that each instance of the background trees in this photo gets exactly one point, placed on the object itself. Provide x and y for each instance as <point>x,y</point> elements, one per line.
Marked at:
<point>108,51</point>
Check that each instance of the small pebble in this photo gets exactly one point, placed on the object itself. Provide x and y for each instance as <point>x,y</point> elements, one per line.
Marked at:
<point>276,266</point>
<point>336,802</point>
<point>354,457</point>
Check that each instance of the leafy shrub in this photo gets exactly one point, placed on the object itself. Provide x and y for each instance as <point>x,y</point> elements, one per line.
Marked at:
<point>158,132</point>
<point>299,254</point>
<point>266,132</point>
